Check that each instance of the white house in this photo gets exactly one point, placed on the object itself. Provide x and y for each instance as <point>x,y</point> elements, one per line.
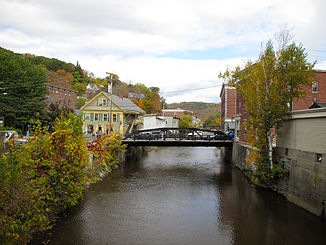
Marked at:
<point>154,121</point>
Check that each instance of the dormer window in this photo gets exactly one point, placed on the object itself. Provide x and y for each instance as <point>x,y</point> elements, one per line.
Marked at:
<point>102,102</point>
<point>314,87</point>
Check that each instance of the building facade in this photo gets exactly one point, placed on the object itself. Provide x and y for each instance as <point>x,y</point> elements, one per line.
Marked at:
<point>228,108</point>
<point>314,93</point>
<point>234,113</point>
<point>154,121</point>
<point>175,112</point>
<point>301,147</point>
<point>125,115</point>
<point>61,96</point>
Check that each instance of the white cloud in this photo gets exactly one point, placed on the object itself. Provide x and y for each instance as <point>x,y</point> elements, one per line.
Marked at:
<point>128,36</point>
<point>168,74</point>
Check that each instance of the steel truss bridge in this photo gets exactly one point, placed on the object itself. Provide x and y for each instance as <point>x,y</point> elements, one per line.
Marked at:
<point>178,137</point>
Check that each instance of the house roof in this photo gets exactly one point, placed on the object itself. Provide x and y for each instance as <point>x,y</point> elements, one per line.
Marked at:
<point>317,105</point>
<point>124,104</point>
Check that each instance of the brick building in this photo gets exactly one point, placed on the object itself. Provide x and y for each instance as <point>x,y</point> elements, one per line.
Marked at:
<point>63,97</point>
<point>314,93</point>
<point>175,112</point>
<point>232,105</point>
<point>228,108</point>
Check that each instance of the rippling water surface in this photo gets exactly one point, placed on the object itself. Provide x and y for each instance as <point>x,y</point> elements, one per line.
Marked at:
<point>184,196</point>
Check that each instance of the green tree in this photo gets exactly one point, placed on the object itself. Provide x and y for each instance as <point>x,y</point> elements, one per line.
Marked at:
<point>185,121</point>
<point>268,87</point>
<point>213,120</point>
<point>22,89</point>
<point>80,102</point>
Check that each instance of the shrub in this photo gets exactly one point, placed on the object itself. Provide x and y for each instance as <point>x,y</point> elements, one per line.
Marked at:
<point>41,178</point>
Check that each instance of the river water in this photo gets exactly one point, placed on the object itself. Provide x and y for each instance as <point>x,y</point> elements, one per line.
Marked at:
<point>184,196</point>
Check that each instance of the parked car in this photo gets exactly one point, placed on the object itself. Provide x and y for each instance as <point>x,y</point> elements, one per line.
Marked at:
<point>148,135</point>
<point>230,133</point>
<point>195,135</point>
<point>10,134</point>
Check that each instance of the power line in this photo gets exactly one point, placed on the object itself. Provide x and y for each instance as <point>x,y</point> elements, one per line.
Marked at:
<point>188,90</point>
<point>314,50</point>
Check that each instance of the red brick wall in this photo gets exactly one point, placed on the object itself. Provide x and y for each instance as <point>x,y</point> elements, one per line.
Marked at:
<point>175,114</point>
<point>231,100</point>
<point>306,102</point>
<point>222,111</point>
<point>62,96</point>
<point>243,117</point>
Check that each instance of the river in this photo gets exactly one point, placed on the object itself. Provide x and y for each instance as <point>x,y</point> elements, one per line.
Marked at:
<point>184,196</point>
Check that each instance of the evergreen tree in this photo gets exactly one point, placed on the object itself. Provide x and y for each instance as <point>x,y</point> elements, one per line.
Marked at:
<point>22,89</point>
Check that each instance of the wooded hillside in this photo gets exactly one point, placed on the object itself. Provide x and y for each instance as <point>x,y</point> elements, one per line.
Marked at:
<point>200,109</point>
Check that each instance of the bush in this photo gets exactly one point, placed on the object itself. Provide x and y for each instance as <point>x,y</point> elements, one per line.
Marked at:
<point>41,178</point>
<point>265,174</point>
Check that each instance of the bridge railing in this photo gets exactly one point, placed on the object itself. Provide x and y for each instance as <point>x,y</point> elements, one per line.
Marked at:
<point>178,134</point>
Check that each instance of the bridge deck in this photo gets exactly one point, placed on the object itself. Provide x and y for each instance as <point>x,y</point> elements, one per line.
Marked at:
<point>172,142</point>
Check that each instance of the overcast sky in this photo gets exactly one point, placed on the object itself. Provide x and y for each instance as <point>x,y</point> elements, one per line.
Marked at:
<point>176,45</point>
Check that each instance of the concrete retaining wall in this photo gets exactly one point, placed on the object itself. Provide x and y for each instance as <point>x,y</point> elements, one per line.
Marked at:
<point>306,184</point>
<point>307,179</point>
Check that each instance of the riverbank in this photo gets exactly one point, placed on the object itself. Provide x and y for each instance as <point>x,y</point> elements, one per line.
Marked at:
<point>302,184</point>
<point>98,172</point>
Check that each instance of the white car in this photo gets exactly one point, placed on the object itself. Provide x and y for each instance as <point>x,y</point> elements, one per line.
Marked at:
<point>10,134</point>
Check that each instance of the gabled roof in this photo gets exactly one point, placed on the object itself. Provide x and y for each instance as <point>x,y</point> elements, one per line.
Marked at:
<point>317,105</point>
<point>124,104</point>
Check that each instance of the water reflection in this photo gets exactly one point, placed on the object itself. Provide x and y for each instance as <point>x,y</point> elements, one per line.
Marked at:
<point>184,196</point>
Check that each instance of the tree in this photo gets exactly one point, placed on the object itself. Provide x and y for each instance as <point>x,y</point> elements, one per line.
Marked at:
<point>22,89</point>
<point>213,120</point>
<point>185,121</point>
<point>268,87</point>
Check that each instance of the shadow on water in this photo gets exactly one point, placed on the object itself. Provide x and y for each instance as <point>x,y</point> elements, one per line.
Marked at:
<point>184,196</point>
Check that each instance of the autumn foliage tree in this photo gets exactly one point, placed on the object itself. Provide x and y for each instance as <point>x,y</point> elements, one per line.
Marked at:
<point>268,87</point>
<point>48,175</point>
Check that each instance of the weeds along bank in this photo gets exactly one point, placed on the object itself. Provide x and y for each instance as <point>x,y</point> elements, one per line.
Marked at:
<point>48,175</point>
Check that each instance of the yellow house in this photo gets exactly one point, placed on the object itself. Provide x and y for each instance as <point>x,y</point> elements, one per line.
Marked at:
<point>126,115</point>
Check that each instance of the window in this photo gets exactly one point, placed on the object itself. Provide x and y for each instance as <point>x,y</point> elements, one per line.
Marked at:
<point>59,100</point>
<point>105,117</point>
<point>315,87</point>
<point>96,116</point>
<point>52,99</point>
<point>68,102</point>
<point>114,117</point>
<point>102,102</point>
<point>87,117</point>
<point>64,101</point>
<point>319,157</point>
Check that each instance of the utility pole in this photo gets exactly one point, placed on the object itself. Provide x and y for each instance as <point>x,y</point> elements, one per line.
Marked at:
<point>111,88</point>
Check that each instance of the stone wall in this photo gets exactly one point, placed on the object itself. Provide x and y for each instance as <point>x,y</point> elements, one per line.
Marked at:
<point>305,185</point>
<point>240,153</point>
<point>307,179</point>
